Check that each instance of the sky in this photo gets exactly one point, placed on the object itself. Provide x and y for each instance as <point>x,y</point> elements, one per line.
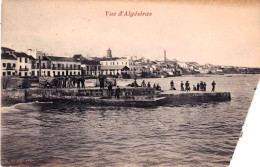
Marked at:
<point>216,33</point>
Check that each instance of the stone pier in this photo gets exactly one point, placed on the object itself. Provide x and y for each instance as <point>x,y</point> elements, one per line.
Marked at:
<point>130,96</point>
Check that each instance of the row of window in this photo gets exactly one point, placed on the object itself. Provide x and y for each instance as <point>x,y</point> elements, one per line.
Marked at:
<point>8,73</point>
<point>115,63</point>
<point>26,59</point>
<point>56,74</point>
<point>8,64</point>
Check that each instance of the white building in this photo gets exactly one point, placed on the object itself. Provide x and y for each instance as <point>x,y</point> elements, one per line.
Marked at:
<point>115,65</point>
<point>56,66</point>
<point>9,62</point>
<point>24,64</point>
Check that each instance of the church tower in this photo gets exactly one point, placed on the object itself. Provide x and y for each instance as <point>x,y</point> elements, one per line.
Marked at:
<point>109,54</point>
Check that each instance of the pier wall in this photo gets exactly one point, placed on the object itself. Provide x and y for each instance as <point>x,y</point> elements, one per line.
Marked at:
<point>12,96</point>
<point>195,98</point>
<point>141,96</point>
<point>36,94</point>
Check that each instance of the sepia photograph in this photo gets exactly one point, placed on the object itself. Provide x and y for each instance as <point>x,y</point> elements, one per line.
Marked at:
<point>126,83</point>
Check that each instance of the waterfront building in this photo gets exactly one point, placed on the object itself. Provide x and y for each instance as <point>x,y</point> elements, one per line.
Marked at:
<point>24,64</point>
<point>116,65</point>
<point>9,62</point>
<point>56,66</point>
<point>89,67</point>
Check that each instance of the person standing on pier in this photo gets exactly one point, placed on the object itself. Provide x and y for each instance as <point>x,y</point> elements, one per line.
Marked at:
<point>143,84</point>
<point>82,82</point>
<point>148,85</point>
<point>194,88</point>
<point>213,86</point>
<point>135,83</point>
<point>110,90</point>
<point>158,87</point>
<point>205,86</point>
<point>198,86</point>
<point>187,86</point>
<point>172,84</point>
<point>182,86</point>
<point>78,83</point>
<point>117,94</point>
<point>154,86</point>
<point>74,81</point>
<point>201,86</point>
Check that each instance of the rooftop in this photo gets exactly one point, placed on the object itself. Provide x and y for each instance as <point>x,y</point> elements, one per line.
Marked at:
<point>6,49</point>
<point>64,59</point>
<point>7,56</point>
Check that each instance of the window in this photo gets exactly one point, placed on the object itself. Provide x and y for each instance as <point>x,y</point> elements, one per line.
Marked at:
<point>113,63</point>
<point>53,73</point>
<point>43,65</point>
<point>25,60</point>
<point>38,73</point>
<point>74,73</point>
<point>20,74</point>
<point>78,73</point>
<point>4,64</point>
<point>49,73</point>
<point>62,73</point>
<point>20,67</point>
<point>58,73</point>
<point>14,65</point>
<point>25,73</point>
<point>33,73</point>
<point>70,73</point>
<point>13,73</point>
<point>38,66</point>
<point>8,72</point>
<point>20,59</point>
<point>4,73</point>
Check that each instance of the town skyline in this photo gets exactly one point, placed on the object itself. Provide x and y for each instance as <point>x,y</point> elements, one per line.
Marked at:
<point>210,34</point>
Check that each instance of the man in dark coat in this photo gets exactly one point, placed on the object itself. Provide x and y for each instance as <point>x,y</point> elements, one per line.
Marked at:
<point>82,82</point>
<point>117,94</point>
<point>213,86</point>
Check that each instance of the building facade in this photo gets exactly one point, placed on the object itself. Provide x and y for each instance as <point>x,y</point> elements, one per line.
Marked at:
<point>9,62</point>
<point>115,65</point>
<point>56,66</point>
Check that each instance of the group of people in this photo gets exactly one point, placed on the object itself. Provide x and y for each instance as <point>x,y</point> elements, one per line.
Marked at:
<point>66,82</point>
<point>202,86</point>
<point>143,84</point>
<point>110,91</point>
<point>187,86</point>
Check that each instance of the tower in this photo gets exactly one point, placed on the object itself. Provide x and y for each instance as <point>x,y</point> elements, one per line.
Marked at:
<point>165,56</point>
<point>109,54</point>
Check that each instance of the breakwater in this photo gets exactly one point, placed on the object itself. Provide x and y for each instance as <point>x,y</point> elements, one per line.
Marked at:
<point>129,96</point>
